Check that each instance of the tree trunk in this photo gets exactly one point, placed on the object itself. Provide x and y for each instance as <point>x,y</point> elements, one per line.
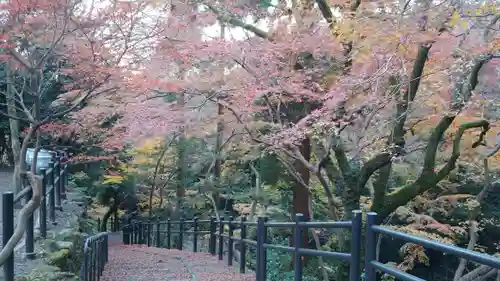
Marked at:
<point>14,131</point>
<point>181,155</point>
<point>107,215</point>
<point>158,169</point>
<point>218,140</point>
<point>429,178</point>
<point>4,147</point>
<point>256,198</point>
<point>218,160</point>
<point>35,181</point>
<point>10,154</point>
<point>301,196</point>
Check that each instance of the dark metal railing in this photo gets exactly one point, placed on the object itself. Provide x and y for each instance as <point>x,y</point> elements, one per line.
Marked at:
<point>113,223</point>
<point>95,257</point>
<point>141,233</point>
<point>145,232</point>
<point>372,265</point>
<point>55,180</point>
<point>355,225</point>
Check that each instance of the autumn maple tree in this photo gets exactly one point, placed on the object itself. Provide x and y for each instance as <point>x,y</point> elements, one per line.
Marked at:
<point>335,80</point>
<point>90,47</point>
<point>337,91</point>
<point>312,74</point>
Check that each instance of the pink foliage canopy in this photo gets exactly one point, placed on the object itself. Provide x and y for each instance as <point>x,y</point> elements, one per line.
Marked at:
<point>180,59</point>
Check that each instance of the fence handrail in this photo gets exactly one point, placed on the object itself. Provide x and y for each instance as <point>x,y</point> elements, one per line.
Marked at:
<point>95,256</point>
<point>372,264</point>
<point>20,195</point>
<point>57,177</point>
<point>92,238</point>
<point>133,233</point>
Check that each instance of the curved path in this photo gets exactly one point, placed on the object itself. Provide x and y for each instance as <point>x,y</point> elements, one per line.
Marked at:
<point>142,263</point>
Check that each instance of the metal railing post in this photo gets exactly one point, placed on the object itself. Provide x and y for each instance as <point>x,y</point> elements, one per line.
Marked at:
<point>134,233</point>
<point>212,241</point>
<point>30,231</point>
<point>230,242</point>
<point>137,232</point>
<point>99,258</point>
<point>195,234</point>
<point>243,245</point>
<point>149,234</point>
<point>141,233</point>
<point>126,234</point>
<point>64,175</point>
<point>261,251</point>
<point>85,271</point>
<point>297,236</point>
<point>357,229</point>
<point>57,184</point>
<point>370,246</point>
<point>221,238</point>
<point>181,234</point>
<point>52,196</point>
<point>94,262</point>
<point>169,230</point>
<point>158,232</point>
<point>43,205</point>
<point>7,232</point>
<point>106,248</point>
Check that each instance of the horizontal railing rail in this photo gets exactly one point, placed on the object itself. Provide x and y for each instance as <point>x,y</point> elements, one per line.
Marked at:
<point>372,264</point>
<point>221,234</point>
<point>54,183</point>
<point>95,257</point>
<point>141,233</point>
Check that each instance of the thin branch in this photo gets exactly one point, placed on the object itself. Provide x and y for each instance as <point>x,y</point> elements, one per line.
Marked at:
<point>80,102</point>
<point>236,22</point>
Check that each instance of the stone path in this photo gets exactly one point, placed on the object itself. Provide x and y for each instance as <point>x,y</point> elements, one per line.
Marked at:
<point>142,263</point>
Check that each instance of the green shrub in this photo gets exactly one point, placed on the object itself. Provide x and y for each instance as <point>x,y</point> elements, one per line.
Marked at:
<point>81,180</point>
